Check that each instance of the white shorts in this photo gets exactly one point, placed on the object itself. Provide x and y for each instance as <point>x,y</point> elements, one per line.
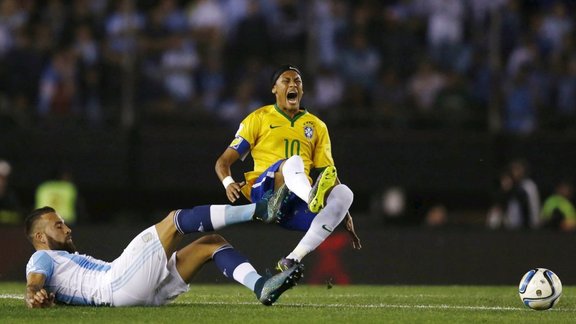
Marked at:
<point>142,275</point>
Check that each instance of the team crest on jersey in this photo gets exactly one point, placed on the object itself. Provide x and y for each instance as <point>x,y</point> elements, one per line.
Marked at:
<point>147,237</point>
<point>309,130</point>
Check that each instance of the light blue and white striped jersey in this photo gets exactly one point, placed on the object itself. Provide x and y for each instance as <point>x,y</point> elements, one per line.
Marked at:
<point>76,279</point>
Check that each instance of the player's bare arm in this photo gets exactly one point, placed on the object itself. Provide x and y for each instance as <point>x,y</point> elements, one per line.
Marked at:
<point>223,164</point>
<point>356,244</point>
<point>36,295</point>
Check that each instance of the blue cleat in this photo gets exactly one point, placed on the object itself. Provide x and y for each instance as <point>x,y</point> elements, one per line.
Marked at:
<point>325,182</point>
<point>278,284</point>
<point>269,208</point>
<point>261,213</point>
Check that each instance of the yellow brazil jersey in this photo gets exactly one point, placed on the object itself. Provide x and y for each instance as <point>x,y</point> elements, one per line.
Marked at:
<point>270,135</point>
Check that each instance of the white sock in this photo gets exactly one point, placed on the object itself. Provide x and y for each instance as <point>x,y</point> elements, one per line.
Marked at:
<point>224,215</point>
<point>295,177</point>
<point>246,275</point>
<point>337,205</point>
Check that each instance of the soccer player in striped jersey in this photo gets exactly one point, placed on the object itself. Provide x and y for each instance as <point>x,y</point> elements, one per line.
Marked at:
<point>150,271</point>
<point>288,144</point>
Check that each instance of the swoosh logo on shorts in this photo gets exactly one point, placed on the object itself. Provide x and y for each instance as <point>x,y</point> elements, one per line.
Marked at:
<point>327,228</point>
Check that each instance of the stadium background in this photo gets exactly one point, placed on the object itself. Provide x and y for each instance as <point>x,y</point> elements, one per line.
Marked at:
<point>138,99</point>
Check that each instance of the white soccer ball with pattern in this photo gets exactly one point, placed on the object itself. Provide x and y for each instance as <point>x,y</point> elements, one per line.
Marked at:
<point>540,289</point>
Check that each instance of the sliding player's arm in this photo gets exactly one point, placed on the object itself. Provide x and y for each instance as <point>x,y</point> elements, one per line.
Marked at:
<point>36,295</point>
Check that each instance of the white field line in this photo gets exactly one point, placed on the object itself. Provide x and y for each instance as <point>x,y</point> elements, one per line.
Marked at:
<point>383,306</point>
<point>12,296</point>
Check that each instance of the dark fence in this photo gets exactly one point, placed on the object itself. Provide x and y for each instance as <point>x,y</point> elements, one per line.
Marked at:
<point>390,255</point>
<point>167,167</point>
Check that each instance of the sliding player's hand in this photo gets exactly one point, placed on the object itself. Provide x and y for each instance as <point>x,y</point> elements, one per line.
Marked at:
<point>41,299</point>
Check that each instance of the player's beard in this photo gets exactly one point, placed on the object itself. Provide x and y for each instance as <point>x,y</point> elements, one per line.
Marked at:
<point>67,245</point>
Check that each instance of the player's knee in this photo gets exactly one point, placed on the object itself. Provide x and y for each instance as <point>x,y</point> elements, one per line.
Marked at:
<point>294,163</point>
<point>170,215</point>
<point>343,195</point>
<point>213,239</point>
<point>168,222</point>
<point>207,245</point>
<point>297,160</point>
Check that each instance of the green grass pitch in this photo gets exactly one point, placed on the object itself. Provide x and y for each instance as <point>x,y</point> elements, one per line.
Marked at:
<point>309,304</point>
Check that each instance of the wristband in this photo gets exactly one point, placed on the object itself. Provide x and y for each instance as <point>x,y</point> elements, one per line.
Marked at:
<point>227,181</point>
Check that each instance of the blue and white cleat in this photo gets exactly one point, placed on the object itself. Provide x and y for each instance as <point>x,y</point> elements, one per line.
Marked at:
<point>325,182</point>
<point>275,203</point>
<point>276,285</point>
<point>269,208</point>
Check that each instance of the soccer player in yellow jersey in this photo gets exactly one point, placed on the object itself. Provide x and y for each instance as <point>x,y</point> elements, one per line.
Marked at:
<point>287,143</point>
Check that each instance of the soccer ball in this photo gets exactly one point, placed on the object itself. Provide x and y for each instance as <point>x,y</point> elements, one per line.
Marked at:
<point>540,289</point>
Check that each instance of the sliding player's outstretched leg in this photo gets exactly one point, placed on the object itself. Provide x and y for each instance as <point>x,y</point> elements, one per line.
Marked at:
<point>236,266</point>
<point>208,218</point>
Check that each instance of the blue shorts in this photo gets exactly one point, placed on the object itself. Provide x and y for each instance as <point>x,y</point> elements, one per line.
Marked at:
<point>297,216</point>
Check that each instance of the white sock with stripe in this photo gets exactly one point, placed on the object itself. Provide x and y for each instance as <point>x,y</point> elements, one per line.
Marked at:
<point>246,275</point>
<point>235,265</point>
<point>208,218</point>
<point>224,215</point>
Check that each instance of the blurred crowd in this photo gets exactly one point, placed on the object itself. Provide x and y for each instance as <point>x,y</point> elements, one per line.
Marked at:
<point>59,192</point>
<point>517,202</point>
<point>500,65</point>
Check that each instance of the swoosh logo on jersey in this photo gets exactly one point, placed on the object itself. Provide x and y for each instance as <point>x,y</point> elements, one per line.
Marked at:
<point>275,126</point>
<point>326,228</point>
